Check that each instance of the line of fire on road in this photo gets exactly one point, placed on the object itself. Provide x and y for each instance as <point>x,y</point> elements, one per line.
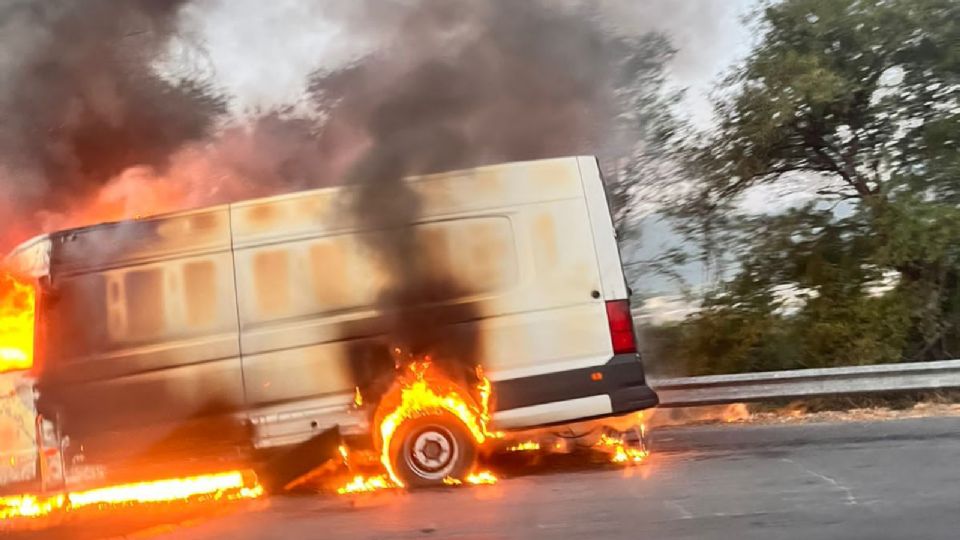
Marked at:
<point>231,485</point>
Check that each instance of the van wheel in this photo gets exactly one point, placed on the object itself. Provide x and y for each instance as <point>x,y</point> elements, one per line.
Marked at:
<point>427,449</point>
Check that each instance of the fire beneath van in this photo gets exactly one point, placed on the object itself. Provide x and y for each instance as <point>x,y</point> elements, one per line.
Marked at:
<point>17,305</point>
<point>422,391</point>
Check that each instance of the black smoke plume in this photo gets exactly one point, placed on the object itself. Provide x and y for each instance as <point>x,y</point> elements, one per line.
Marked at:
<point>451,84</point>
<point>81,101</point>
<point>463,84</point>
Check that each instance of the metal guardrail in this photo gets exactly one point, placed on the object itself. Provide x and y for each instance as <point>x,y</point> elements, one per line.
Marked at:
<point>806,383</point>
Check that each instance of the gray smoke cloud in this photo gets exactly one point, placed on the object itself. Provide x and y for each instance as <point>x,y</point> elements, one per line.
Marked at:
<point>81,102</point>
<point>448,84</point>
<point>543,80</point>
<point>90,117</point>
<point>459,84</point>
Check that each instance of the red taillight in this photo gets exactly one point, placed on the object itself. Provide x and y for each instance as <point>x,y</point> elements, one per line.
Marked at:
<point>621,327</point>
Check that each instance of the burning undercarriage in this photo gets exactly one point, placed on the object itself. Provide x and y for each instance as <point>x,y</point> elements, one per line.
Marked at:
<point>428,431</point>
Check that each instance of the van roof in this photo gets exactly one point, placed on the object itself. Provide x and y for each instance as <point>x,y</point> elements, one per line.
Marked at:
<point>292,194</point>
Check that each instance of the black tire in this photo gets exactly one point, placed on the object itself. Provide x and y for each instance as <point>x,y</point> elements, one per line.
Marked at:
<point>427,449</point>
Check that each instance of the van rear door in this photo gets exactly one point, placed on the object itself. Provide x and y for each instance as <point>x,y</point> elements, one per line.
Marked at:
<point>583,361</point>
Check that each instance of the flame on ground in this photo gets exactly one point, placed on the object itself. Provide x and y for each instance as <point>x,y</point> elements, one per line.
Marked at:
<point>621,453</point>
<point>736,412</point>
<point>29,506</point>
<point>477,478</point>
<point>361,484</point>
<point>17,305</point>
<point>230,485</point>
<point>482,477</point>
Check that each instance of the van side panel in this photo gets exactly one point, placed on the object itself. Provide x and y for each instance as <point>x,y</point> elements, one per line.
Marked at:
<point>516,238</point>
<point>141,328</point>
<point>303,291</point>
<point>305,304</point>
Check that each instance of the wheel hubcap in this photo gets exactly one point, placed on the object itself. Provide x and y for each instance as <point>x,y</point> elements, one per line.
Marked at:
<point>432,453</point>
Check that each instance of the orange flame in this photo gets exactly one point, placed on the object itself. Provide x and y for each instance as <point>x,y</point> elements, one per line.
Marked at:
<point>736,412</point>
<point>357,397</point>
<point>621,453</point>
<point>526,446</point>
<point>477,478</point>
<point>361,484</point>
<point>421,395</point>
<point>421,392</point>
<point>17,305</point>
<point>230,485</point>
<point>482,477</point>
<point>29,506</point>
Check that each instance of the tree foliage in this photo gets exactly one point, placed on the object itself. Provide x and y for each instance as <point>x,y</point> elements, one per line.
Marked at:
<point>858,103</point>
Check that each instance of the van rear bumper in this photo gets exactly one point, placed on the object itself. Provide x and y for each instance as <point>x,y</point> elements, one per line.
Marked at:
<point>621,379</point>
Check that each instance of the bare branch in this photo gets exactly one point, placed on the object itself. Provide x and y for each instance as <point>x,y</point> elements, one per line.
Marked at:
<point>840,194</point>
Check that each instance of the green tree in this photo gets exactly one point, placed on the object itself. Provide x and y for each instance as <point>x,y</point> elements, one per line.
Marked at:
<point>858,103</point>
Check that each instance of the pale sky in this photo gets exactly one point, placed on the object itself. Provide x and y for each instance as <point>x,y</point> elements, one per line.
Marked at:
<point>262,52</point>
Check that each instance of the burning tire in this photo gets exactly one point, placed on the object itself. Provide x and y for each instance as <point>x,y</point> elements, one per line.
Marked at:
<point>428,449</point>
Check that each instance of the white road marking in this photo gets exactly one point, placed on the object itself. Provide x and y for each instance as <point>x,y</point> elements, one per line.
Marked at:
<point>851,500</point>
<point>684,513</point>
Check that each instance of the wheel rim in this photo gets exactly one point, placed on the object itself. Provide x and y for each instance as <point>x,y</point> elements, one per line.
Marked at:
<point>431,452</point>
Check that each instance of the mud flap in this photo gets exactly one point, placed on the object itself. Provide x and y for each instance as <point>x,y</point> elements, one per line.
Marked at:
<point>295,466</point>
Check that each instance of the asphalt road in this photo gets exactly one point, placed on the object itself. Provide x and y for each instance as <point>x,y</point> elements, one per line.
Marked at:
<point>895,479</point>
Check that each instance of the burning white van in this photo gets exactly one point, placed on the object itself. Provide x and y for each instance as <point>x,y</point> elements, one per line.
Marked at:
<point>263,323</point>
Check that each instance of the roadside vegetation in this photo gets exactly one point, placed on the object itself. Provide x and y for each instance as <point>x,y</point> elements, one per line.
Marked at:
<point>846,115</point>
